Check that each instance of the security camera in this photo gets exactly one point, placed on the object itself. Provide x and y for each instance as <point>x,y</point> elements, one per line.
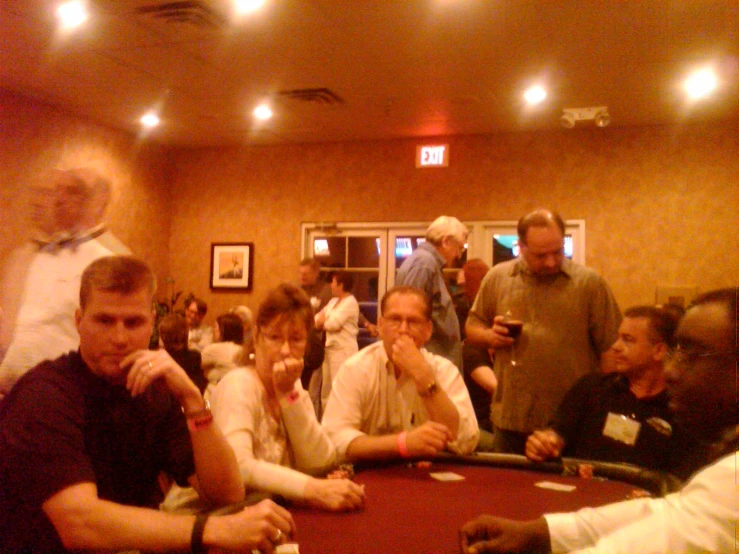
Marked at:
<point>602,118</point>
<point>567,120</point>
<point>598,114</point>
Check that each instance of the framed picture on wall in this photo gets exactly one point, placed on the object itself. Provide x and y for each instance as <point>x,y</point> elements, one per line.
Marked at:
<point>231,265</point>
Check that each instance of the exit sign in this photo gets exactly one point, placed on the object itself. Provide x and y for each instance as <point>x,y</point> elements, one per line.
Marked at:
<point>436,155</point>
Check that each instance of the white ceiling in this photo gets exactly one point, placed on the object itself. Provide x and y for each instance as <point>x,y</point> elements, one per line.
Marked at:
<point>403,68</point>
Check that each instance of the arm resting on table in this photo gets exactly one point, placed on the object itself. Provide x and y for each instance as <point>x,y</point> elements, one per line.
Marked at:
<point>84,522</point>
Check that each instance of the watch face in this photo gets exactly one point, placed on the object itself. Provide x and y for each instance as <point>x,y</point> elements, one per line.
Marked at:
<point>431,389</point>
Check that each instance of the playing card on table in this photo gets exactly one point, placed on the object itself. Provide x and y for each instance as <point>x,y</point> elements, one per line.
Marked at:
<point>447,476</point>
<point>555,486</point>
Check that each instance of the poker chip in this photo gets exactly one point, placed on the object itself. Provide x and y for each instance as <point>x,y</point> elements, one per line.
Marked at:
<point>344,471</point>
<point>638,493</point>
<point>349,469</point>
<point>585,471</point>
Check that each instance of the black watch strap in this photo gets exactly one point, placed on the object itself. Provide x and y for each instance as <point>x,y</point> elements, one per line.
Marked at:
<point>196,539</point>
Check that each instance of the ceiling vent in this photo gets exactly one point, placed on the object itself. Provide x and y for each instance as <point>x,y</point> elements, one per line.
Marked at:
<point>317,95</point>
<point>193,12</point>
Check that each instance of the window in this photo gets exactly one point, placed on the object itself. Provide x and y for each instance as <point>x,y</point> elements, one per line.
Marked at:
<point>373,252</point>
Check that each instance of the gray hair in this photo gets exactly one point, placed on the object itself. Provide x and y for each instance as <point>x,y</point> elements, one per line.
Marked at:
<point>446,226</point>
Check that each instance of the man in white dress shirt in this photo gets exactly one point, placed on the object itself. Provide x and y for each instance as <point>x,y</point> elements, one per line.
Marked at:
<point>41,326</point>
<point>704,515</point>
<point>393,399</point>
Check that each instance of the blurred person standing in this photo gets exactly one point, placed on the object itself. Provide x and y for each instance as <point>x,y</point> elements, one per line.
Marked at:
<point>40,323</point>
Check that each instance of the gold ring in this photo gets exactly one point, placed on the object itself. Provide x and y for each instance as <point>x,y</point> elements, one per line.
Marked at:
<point>278,537</point>
<point>150,366</point>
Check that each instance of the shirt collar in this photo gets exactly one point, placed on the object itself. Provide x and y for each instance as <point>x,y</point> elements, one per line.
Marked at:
<point>428,247</point>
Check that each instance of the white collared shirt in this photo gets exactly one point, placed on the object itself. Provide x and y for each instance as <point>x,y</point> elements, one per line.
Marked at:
<point>367,399</point>
<point>702,517</point>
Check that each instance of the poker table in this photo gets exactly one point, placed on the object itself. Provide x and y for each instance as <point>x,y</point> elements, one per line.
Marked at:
<point>407,510</point>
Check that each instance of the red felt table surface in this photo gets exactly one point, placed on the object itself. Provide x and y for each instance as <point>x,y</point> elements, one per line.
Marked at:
<point>408,511</point>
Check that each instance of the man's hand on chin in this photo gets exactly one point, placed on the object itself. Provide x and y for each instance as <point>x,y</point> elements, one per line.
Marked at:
<point>408,359</point>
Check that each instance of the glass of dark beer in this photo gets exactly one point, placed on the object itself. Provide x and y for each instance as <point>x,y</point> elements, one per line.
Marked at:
<point>515,327</point>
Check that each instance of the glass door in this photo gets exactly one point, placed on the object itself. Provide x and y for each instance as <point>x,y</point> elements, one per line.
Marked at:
<point>358,251</point>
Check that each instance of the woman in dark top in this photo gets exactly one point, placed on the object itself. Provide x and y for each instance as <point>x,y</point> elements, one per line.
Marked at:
<point>173,338</point>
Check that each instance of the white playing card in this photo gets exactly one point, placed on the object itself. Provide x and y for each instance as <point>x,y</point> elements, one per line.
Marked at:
<point>555,486</point>
<point>287,548</point>
<point>447,476</point>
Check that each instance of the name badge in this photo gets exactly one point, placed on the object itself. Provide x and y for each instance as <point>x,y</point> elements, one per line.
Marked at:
<point>621,428</point>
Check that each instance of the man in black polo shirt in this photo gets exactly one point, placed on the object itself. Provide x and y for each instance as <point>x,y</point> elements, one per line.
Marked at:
<point>621,416</point>
<point>84,437</point>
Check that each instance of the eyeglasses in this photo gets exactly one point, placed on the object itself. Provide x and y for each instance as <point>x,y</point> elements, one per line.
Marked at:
<point>276,341</point>
<point>691,355</point>
<point>396,321</point>
<point>461,245</point>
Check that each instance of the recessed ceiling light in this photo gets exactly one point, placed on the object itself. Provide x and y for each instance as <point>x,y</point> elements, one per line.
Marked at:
<point>71,14</point>
<point>244,7</point>
<point>535,95</point>
<point>150,120</point>
<point>701,83</point>
<point>263,112</point>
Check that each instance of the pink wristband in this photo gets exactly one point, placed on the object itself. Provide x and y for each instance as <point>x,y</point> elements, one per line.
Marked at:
<point>402,446</point>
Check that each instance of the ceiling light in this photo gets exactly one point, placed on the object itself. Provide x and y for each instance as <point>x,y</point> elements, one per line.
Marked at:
<point>701,83</point>
<point>535,95</point>
<point>150,120</point>
<point>598,114</point>
<point>71,14</point>
<point>244,7</point>
<point>263,112</point>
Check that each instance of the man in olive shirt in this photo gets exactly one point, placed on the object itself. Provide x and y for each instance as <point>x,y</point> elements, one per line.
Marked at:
<point>569,318</point>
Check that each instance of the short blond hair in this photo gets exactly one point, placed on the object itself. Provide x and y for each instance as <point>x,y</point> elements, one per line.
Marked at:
<point>446,226</point>
<point>119,274</point>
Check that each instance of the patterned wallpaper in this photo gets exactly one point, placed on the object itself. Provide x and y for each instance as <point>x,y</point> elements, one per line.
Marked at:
<point>660,203</point>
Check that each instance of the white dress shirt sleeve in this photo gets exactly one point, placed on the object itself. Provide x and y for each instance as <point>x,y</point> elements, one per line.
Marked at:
<point>450,380</point>
<point>701,518</point>
<point>343,417</point>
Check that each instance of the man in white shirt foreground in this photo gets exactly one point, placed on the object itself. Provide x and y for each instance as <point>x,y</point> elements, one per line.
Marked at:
<point>703,516</point>
<point>395,400</point>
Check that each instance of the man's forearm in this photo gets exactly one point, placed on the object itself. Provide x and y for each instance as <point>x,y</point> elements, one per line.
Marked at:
<point>441,409</point>
<point>366,447</point>
<point>216,467</point>
<point>485,377</point>
<point>85,522</point>
<point>477,334</point>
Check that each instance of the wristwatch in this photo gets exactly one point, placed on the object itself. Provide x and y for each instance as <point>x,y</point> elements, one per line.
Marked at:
<point>429,390</point>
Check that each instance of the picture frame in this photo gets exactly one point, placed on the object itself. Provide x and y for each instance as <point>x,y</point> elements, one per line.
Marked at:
<point>231,265</point>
